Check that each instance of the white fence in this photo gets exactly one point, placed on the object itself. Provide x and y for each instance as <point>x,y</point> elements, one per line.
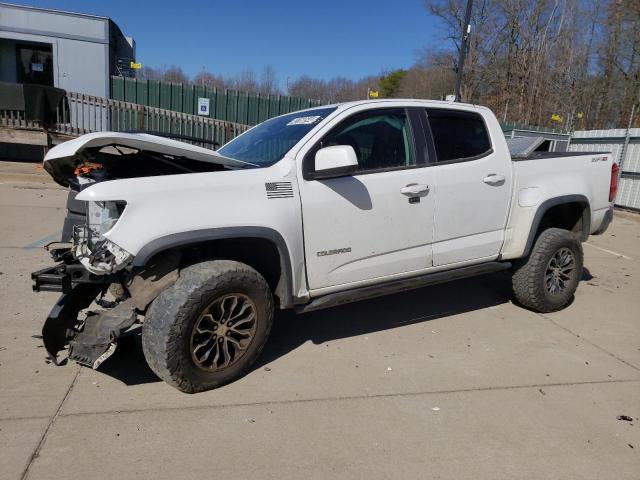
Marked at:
<point>81,113</point>
<point>625,146</point>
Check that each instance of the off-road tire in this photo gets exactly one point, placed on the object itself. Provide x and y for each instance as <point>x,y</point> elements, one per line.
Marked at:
<point>528,279</point>
<point>170,319</point>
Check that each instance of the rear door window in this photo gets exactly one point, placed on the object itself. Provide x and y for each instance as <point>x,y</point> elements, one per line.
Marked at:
<point>458,135</point>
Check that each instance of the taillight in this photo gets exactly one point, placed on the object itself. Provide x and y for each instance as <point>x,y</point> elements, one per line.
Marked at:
<point>613,186</point>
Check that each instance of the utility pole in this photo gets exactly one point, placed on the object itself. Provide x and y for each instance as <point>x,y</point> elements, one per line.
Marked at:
<point>464,44</point>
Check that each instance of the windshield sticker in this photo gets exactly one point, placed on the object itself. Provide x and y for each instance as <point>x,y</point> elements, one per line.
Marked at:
<point>304,120</point>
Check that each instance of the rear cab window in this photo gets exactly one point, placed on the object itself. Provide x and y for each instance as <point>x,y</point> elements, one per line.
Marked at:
<point>458,135</point>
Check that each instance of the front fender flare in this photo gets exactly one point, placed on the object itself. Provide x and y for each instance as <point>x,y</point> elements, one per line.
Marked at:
<point>284,290</point>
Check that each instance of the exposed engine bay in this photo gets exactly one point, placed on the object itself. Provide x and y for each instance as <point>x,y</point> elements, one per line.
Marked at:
<point>116,162</point>
<point>86,229</point>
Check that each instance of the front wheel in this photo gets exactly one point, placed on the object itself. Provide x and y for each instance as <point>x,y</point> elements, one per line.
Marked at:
<point>547,280</point>
<point>209,327</point>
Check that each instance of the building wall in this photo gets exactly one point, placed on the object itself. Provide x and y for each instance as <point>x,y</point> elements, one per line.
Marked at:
<point>53,23</point>
<point>78,66</point>
<point>91,74</point>
<point>83,46</point>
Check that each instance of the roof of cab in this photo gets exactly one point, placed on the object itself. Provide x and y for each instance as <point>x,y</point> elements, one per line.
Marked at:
<point>383,101</point>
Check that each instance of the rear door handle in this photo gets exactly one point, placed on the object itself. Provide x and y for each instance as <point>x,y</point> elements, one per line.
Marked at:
<point>415,190</point>
<point>493,179</point>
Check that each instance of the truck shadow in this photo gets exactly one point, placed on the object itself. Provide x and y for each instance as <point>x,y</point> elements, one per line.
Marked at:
<point>290,331</point>
<point>384,313</point>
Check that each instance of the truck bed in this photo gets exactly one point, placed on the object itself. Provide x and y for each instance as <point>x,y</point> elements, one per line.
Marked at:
<point>549,155</point>
<point>524,148</point>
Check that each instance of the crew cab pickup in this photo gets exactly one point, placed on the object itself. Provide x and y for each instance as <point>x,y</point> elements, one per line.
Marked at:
<point>308,210</point>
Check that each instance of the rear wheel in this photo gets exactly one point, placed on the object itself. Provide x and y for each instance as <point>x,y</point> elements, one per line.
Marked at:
<point>547,280</point>
<point>209,327</point>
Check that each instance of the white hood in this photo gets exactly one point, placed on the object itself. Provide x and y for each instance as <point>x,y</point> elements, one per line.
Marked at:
<point>63,158</point>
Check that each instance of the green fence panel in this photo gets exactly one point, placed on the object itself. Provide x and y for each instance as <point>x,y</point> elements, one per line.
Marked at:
<point>246,108</point>
<point>153,93</point>
<point>117,88</point>
<point>176,97</point>
<point>165,95</point>
<point>213,102</point>
<point>188,102</point>
<point>130,90</point>
<point>142,93</point>
<point>294,105</point>
<point>221,105</point>
<point>274,105</point>
<point>263,108</point>
<point>252,109</point>
<point>243,108</point>
<point>285,104</point>
<point>232,106</point>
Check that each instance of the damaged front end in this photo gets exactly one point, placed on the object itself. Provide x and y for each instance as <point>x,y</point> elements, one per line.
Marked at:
<point>87,269</point>
<point>94,270</point>
<point>103,294</point>
<point>91,248</point>
<point>79,288</point>
<point>123,297</point>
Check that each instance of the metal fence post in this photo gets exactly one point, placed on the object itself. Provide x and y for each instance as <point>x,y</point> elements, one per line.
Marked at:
<point>625,146</point>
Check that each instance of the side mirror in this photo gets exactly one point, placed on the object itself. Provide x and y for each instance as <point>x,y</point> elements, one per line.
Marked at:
<point>336,161</point>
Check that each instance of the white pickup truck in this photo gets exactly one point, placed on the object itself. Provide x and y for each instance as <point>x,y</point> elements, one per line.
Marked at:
<point>307,210</point>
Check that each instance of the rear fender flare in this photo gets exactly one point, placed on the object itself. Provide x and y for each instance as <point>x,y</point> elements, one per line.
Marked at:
<point>553,202</point>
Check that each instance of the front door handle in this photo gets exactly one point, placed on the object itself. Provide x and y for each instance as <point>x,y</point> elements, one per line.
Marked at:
<point>493,179</point>
<point>415,190</point>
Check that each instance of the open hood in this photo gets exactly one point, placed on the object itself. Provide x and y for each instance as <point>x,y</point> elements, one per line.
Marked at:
<point>125,155</point>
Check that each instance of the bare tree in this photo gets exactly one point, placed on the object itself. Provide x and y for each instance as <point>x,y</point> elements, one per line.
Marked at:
<point>208,79</point>
<point>577,59</point>
<point>269,81</point>
<point>150,73</point>
<point>432,77</point>
<point>174,74</point>
<point>244,81</point>
<point>307,87</point>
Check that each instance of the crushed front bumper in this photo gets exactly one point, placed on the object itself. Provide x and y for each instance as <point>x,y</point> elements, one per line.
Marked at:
<point>93,338</point>
<point>63,276</point>
<point>90,341</point>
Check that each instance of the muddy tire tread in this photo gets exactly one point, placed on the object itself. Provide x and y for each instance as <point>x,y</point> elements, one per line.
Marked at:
<point>168,316</point>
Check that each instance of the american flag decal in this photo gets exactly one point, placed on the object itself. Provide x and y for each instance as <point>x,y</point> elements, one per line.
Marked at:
<point>279,190</point>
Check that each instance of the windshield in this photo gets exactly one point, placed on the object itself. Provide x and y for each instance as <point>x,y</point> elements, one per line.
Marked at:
<point>267,143</point>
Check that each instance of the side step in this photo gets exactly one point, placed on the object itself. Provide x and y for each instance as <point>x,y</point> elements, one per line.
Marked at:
<point>395,286</point>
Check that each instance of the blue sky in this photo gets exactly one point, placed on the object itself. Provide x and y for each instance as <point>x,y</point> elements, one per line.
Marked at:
<point>319,38</point>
